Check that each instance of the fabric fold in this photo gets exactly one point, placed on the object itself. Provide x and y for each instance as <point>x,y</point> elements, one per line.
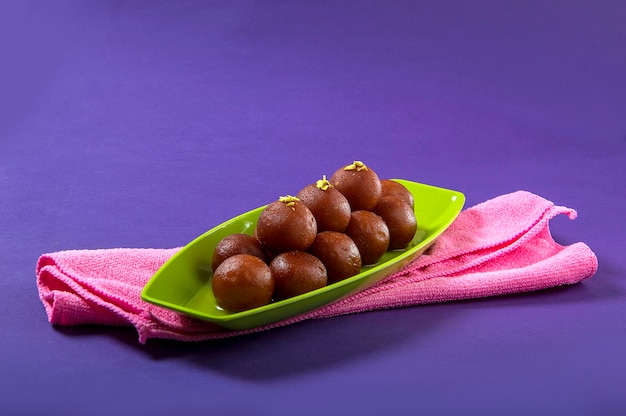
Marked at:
<point>501,246</point>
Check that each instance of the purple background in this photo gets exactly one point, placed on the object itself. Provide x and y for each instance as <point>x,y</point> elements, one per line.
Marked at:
<point>144,123</point>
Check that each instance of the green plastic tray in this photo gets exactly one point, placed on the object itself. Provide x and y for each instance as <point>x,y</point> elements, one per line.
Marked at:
<point>183,283</point>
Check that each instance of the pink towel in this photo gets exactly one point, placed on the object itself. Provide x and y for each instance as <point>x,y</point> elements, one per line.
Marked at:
<point>498,247</point>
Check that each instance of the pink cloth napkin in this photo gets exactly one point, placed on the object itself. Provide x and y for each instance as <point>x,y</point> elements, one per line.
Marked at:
<point>498,247</point>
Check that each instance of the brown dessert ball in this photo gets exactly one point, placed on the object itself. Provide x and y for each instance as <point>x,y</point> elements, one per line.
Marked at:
<point>400,219</point>
<point>339,254</point>
<point>397,190</point>
<point>295,273</point>
<point>286,225</point>
<point>242,282</point>
<point>237,244</point>
<point>329,207</point>
<point>370,234</point>
<point>359,184</point>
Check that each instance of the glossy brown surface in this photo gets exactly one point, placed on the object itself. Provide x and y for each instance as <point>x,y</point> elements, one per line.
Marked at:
<point>400,219</point>
<point>330,207</point>
<point>339,254</point>
<point>237,244</point>
<point>284,228</point>
<point>295,273</point>
<point>361,188</point>
<point>242,282</point>
<point>397,190</point>
<point>371,235</point>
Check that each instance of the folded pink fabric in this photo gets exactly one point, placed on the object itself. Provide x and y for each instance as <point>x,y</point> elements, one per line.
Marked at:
<point>498,247</point>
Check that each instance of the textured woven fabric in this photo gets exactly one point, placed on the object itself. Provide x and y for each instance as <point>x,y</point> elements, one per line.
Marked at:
<point>498,247</point>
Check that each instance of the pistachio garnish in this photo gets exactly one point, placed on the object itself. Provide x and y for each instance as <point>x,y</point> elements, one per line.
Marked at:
<point>323,183</point>
<point>357,165</point>
<point>289,200</point>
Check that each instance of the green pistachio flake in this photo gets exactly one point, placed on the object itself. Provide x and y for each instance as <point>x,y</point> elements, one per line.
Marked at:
<point>289,200</point>
<point>323,183</point>
<point>357,165</point>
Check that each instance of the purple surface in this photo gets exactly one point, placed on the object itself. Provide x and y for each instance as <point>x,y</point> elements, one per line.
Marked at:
<point>142,124</point>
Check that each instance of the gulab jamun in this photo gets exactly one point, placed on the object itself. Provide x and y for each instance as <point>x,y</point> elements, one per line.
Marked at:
<point>370,234</point>
<point>329,207</point>
<point>237,244</point>
<point>339,254</point>
<point>359,184</point>
<point>396,189</point>
<point>295,273</point>
<point>400,219</point>
<point>242,282</point>
<point>286,225</point>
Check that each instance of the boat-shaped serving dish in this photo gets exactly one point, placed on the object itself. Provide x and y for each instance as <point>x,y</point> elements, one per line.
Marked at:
<point>183,283</point>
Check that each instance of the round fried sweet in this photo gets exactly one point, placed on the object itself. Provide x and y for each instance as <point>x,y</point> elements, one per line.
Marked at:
<point>295,273</point>
<point>237,244</point>
<point>400,219</point>
<point>329,207</point>
<point>359,184</point>
<point>370,234</point>
<point>242,282</point>
<point>286,225</point>
<point>339,254</point>
<point>397,190</point>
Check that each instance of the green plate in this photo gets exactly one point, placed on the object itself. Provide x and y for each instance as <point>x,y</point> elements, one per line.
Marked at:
<point>183,283</point>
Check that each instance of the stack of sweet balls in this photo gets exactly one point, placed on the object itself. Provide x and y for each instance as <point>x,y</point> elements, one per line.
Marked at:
<point>324,234</point>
